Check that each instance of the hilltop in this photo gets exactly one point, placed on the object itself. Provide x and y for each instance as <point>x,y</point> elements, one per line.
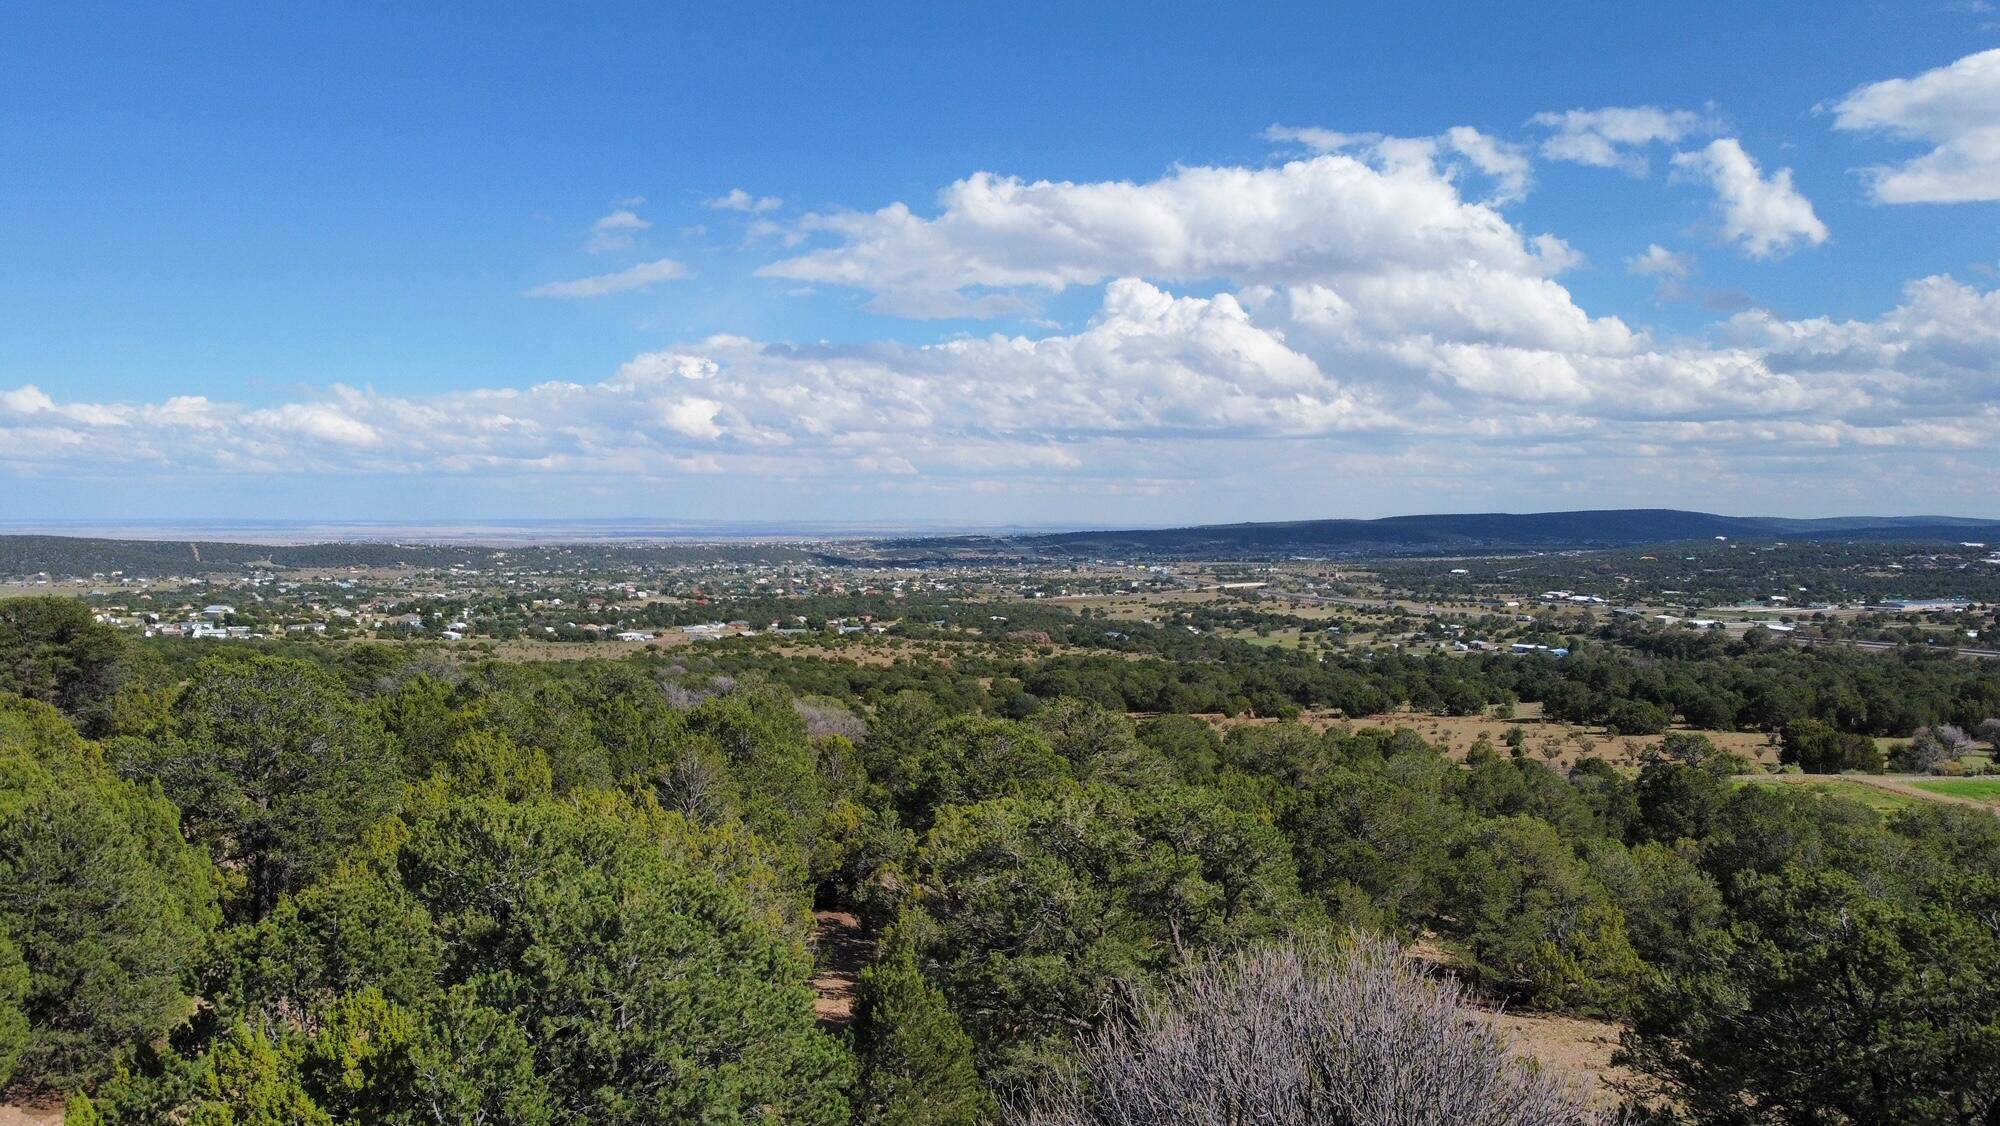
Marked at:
<point>1432,534</point>
<point>1457,533</point>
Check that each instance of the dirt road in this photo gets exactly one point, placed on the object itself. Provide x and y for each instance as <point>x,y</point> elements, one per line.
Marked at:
<point>1893,783</point>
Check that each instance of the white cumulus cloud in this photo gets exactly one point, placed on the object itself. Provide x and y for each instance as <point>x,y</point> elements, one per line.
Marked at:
<point>1348,318</point>
<point>995,236</point>
<point>1956,109</point>
<point>1766,216</point>
<point>1448,374</point>
<point>1506,164</point>
<point>1659,262</point>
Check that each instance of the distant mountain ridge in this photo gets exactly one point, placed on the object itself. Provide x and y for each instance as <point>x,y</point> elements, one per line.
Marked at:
<point>1444,533</point>
<point>79,555</point>
<point>1472,532</point>
<point>82,557</point>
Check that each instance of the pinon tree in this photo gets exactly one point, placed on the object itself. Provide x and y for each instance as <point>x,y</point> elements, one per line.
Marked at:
<point>1042,906</point>
<point>916,1060</point>
<point>546,960</point>
<point>1533,922</point>
<point>1828,1004</point>
<point>1818,747</point>
<point>13,1018</point>
<point>103,904</point>
<point>651,990</point>
<point>274,766</point>
<point>53,650</point>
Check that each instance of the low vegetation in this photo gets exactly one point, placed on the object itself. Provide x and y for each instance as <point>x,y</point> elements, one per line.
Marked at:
<point>338,883</point>
<point>1979,789</point>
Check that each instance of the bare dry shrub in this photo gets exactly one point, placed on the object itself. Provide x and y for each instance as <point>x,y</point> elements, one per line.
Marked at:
<point>680,697</point>
<point>1932,748</point>
<point>437,666</point>
<point>1293,1035</point>
<point>827,717</point>
<point>684,698</point>
<point>697,784</point>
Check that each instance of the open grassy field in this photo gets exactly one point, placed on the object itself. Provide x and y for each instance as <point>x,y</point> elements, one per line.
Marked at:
<point>1560,744</point>
<point>1978,789</point>
<point>1879,798</point>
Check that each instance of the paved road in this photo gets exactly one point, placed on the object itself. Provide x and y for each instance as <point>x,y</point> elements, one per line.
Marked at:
<point>1880,646</point>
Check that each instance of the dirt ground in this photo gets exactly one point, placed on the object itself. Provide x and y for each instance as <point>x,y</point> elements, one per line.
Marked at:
<point>1561,743</point>
<point>14,1115</point>
<point>840,950</point>
<point>1576,1047</point>
<point>527,650</point>
<point>1570,742</point>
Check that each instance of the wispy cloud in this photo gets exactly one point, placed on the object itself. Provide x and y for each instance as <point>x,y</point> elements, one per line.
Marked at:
<point>1615,136</point>
<point>1316,138</point>
<point>622,281</point>
<point>1659,262</point>
<point>615,230</point>
<point>739,200</point>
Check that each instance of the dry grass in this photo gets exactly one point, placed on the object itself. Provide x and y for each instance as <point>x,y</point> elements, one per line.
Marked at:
<point>1561,744</point>
<point>1575,1046</point>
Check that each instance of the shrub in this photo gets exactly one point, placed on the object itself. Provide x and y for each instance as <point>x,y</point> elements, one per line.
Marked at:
<point>1637,717</point>
<point>916,1060</point>
<point>1297,1034</point>
<point>100,900</point>
<point>1816,747</point>
<point>1933,749</point>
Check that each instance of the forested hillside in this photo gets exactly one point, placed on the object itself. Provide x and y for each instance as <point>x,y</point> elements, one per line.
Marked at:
<point>1442,534</point>
<point>72,555</point>
<point>379,884</point>
<point>77,556</point>
<point>1470,533</point>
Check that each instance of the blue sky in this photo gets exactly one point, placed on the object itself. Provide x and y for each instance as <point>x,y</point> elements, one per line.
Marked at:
<point>1067,263</point>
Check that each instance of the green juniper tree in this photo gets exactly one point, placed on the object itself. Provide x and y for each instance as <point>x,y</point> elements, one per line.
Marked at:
<point>99,897</point>
<point>274,766</point>
<point>916,1060</point>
